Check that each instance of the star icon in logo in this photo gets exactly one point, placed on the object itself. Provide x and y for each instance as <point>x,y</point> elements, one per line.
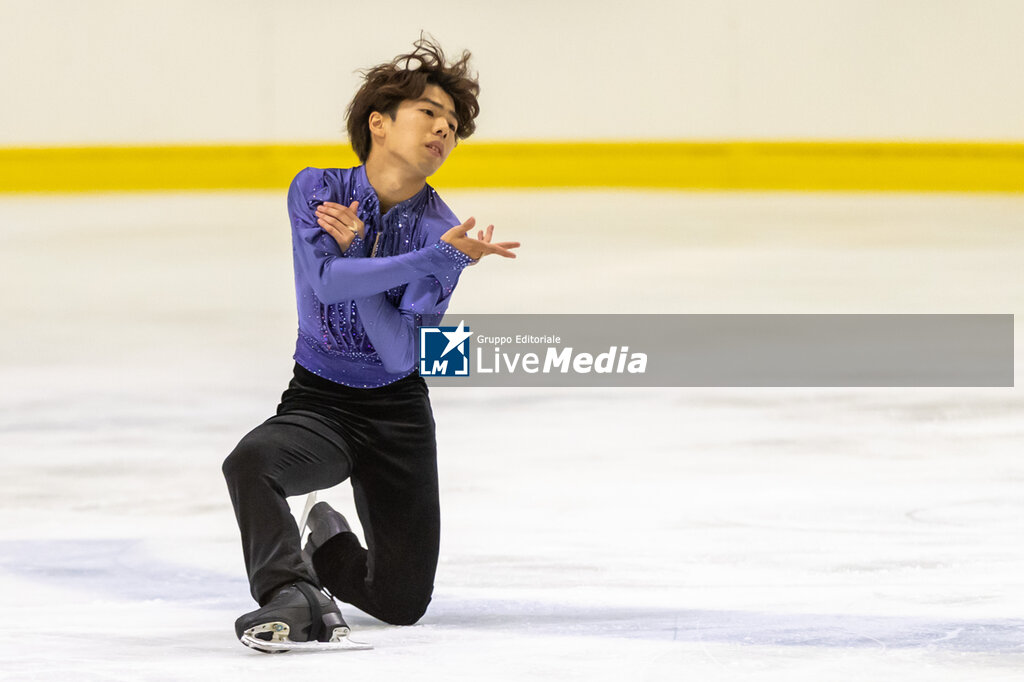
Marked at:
<point>455,338</point>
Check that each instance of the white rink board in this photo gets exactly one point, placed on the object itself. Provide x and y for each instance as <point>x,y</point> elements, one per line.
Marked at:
<point>600,534</point>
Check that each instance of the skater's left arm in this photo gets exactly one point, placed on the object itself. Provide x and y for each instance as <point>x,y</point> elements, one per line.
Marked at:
<point>392,330</point>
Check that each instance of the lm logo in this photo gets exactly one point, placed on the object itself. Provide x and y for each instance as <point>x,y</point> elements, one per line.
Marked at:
<point>444,351</point>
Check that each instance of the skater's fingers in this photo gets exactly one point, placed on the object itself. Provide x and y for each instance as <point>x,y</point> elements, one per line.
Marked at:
<point>458,231</point>
<point>328,227</point>
<point>502,249</point>
<point>336,208</point>
<point>331,208</point>
<point>344,237</point>
<point>333,222</point>
<point>342,216</point>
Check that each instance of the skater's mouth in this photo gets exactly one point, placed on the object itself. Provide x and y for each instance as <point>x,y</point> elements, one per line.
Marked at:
<point>436,147</point>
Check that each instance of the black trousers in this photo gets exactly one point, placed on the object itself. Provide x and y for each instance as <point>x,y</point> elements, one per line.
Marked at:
<point>324,432</point>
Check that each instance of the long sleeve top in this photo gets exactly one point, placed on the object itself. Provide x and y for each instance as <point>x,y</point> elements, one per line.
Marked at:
<point>359,309</point>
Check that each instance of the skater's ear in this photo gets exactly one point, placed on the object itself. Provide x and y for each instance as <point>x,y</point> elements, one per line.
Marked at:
<point>378,124</point>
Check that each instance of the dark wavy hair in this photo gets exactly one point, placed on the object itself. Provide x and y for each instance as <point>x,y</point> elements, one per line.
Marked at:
<point>385,86</point>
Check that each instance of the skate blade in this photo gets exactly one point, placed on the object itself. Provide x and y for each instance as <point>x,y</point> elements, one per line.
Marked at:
<point>310,501</point>
<point>279,642</point>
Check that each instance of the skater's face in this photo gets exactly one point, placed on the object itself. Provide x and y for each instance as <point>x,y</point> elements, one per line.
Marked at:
<point>422,134</point>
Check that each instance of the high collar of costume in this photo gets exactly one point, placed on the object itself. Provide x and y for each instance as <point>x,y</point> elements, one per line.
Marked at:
<point>369,203</point>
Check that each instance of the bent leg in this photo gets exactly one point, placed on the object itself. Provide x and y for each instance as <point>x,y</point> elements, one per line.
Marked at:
<point>396,495</point>
<point>392,580</point>
<point>289,454</point>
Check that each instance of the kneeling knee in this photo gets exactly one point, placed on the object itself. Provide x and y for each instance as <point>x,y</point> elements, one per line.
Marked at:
<point>406,612</point>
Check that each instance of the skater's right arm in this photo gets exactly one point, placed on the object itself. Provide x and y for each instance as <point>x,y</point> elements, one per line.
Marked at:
<point>335,278</point>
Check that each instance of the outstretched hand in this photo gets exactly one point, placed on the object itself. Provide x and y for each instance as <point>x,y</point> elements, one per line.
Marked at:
<point>482,245</point>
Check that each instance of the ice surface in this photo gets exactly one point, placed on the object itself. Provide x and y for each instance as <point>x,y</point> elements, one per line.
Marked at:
<point>598,534</point>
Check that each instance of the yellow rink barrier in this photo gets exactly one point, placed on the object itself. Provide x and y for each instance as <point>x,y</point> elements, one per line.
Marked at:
<point>728,165</point>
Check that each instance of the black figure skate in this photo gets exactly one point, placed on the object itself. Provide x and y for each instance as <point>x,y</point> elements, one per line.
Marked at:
<point>323,523</point>
<point>298,617</point>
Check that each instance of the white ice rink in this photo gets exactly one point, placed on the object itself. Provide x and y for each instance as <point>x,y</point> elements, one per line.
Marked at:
<point>590,534</point>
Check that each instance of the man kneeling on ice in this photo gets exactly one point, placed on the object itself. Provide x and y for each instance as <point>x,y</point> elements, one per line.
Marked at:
<point>377,254</point>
